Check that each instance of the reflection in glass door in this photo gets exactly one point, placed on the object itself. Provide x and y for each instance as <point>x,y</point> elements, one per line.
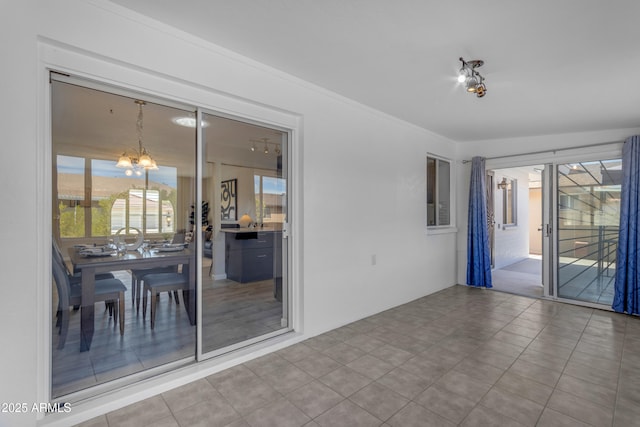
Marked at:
<point>244,184</point>
<point>104,190</point>
<point>588,212</point>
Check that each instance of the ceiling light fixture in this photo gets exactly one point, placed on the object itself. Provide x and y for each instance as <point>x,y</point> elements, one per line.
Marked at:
<point>266,143</point>
<point>138,161</point>
<point>502,185</point>
<point>189,122</point>
<point>473,80</point>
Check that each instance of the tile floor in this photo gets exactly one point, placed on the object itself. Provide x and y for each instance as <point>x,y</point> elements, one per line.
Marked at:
<point>520,278</point>
<point>462,356</point>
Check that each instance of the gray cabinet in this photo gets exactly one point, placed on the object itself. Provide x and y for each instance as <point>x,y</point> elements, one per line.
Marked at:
<point>249,256</point>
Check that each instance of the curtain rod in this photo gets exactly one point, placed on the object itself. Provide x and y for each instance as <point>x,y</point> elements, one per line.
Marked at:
<point>548,151</point>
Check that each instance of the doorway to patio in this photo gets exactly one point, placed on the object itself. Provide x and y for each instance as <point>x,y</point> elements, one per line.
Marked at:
<point>555,229</point>
<point>515,197</point>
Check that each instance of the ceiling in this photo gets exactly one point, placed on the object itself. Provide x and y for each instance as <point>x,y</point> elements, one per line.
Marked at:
<point>100,125</point>
<point>550,66</point>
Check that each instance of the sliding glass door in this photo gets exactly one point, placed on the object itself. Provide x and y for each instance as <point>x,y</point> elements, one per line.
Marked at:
<point>588,214</point>
<point>244,181</point>
<point>169,236</point>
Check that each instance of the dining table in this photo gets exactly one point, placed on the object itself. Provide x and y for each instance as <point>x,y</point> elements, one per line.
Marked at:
<point>91,264</point>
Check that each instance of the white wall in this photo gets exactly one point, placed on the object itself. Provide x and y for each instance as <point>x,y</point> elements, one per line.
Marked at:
<point>511,242</point>
<point>359,175</point>
<point>19,279</point>
<point>549,149</point>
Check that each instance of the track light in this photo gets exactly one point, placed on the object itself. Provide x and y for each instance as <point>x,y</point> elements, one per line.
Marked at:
<point>473,80</point>
<point>255,143</point>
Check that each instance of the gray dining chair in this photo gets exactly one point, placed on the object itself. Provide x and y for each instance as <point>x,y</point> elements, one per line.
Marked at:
<point>107,290</point>
<point>156,283</point>
<point>138,275</point>
<point>207,248</point>
<point>75,279</point>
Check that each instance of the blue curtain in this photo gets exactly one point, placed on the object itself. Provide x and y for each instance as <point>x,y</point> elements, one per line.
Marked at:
<point>627,288</point>
<point>478,256</point>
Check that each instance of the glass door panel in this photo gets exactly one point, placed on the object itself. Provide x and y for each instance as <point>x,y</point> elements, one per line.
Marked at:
<point>95,204</point>
<point>588,213</point>
<point>244,184</point>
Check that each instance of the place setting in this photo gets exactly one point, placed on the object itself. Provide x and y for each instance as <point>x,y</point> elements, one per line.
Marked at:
<point>96,251</point>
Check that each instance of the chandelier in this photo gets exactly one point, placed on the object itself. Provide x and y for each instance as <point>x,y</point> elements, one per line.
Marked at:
<point>137,162</point>
<point>472,79</point>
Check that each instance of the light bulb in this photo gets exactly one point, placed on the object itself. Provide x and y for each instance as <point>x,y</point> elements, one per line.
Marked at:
<point>144,160</point>
<point>124,161</point>
<point>462,75</point>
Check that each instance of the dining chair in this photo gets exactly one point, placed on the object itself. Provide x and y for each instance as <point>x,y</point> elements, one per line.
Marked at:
<point>156,283</point>
<point>138,275</point>
<point>107,290</point>
<point>75,279</point>
<point>207,247</point>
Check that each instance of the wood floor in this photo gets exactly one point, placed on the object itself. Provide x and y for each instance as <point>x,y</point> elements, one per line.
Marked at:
<point>232,313</point>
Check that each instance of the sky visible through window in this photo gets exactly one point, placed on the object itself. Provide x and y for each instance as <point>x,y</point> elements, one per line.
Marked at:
<point>270,185</point>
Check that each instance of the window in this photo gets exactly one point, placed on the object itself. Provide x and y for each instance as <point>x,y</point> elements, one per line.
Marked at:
<point>71,195</point>
<point>438,192</point>
<point>115,201</point>
<point>270,194</point>
<point>149,210</point>
<point>509,202</point>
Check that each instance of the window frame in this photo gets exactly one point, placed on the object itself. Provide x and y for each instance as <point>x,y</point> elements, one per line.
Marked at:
<point>259,175</point>
<point>512,185</point>
<point>431,228</point>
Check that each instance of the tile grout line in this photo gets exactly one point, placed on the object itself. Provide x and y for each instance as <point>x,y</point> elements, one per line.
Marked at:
<point>506,370</point>
<point>565,367</point>
<point>624,343</point>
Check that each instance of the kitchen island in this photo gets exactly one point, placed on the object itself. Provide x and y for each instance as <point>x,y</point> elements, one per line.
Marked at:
<point>252,254</point>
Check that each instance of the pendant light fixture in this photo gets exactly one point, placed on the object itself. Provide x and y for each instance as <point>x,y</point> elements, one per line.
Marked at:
<point>137,162</point>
